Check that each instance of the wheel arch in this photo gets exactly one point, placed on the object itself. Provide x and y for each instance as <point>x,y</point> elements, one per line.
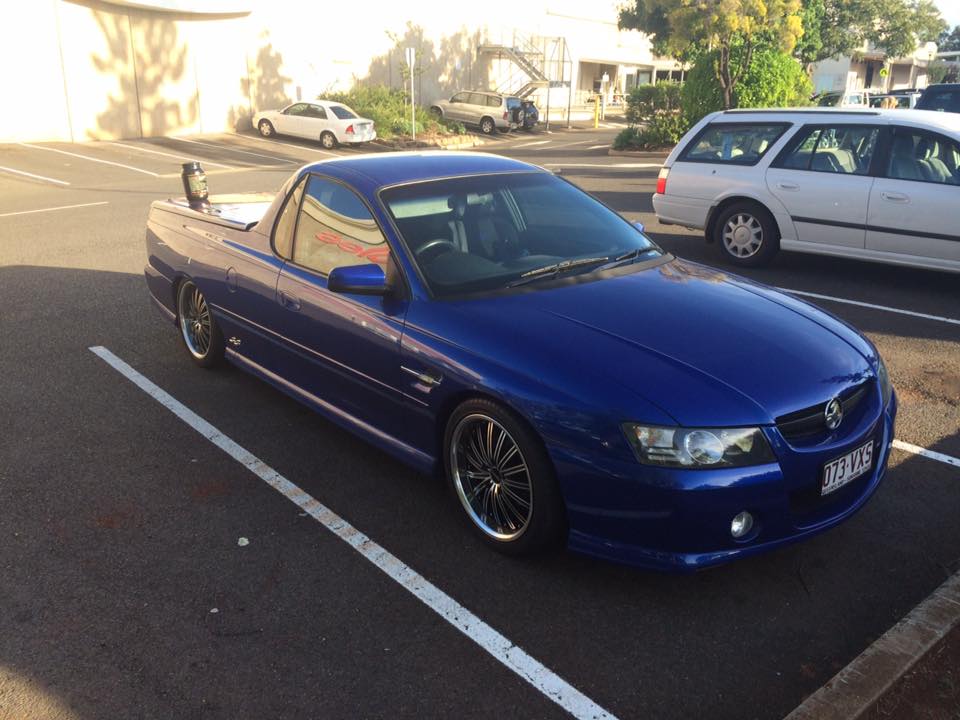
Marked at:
<point>726,202</point>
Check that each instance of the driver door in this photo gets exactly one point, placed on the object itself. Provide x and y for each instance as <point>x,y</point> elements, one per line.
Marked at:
<point>290,121</point>
<point>343,349</point>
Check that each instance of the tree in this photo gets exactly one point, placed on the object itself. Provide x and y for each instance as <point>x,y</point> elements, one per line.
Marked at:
<point>680,27</point>
<point>840,27</point>
<point>949,41</point>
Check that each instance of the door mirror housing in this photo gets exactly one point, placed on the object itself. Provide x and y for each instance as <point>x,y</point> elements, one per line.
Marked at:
<point>358,280</point>
<point>638,225</point>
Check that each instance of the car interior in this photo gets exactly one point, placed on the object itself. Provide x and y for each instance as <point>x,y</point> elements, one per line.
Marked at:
<point>921,157</point>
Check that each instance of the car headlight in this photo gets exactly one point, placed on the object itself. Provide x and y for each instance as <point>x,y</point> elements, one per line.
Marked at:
<point>698,447</point>
<point>883,377</point>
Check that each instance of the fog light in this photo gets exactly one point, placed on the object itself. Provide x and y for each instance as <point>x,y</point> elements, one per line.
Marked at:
<point>741,525</point>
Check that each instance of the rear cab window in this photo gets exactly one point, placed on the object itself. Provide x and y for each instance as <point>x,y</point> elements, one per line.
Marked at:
<point>733,143</point>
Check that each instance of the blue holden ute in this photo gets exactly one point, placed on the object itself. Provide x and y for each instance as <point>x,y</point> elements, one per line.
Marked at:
<point>484,319</point>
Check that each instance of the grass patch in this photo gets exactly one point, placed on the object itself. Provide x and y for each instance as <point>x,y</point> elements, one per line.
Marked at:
<point>390,112</point>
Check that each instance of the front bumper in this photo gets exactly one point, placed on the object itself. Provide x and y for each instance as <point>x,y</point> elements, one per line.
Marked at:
<point>679,520</point>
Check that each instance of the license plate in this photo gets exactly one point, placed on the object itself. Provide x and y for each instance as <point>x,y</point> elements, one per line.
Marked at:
<point>846,468</point>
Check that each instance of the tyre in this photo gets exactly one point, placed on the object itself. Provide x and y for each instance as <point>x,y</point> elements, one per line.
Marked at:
<point>436,112</point>
<point>266,128</point>
<point>487,126</point>
<point>198,329</point>
<point>502,478</point>
<point>746,234</point>
<point>328,140</point>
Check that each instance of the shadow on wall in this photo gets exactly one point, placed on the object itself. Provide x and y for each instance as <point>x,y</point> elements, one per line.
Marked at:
<point>264,87</point>
<point>149,61</point>
<point>440,71</point>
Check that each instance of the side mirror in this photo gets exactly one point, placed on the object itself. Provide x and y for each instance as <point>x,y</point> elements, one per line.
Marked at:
<point>358,280</point>
<point>638,225</point>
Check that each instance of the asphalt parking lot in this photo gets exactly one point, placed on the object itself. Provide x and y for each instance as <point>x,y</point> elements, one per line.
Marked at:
<point>147,574</point>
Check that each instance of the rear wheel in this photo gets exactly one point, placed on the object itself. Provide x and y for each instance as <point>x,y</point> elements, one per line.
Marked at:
<point>746,234</point>
<point>266,128</point>
<point>328,140</point>
<point>502,478</point>
<point>487,125</point>
<point>198,329</point>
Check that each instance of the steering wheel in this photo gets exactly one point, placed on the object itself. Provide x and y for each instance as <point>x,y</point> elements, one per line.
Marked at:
<point>432,245</point>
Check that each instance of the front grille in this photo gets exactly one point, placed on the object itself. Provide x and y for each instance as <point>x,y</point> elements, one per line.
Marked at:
<point>809,422</point>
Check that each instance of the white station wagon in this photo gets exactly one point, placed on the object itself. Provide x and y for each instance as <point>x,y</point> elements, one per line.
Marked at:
<point>329,122</point>
<point>880,185</point>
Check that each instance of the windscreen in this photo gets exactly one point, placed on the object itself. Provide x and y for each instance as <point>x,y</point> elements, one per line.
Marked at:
<point>490,232</point>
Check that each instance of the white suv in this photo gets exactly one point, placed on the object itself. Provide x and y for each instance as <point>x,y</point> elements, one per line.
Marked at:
<point>879,185</point>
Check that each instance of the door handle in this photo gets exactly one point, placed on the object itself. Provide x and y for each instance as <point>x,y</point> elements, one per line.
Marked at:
<point>894,196</point>
<point>788,186</point>
<point>289,301</point>
<point>424,378</point>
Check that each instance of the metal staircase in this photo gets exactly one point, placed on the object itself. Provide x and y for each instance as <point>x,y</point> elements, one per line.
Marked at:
<point>528,58</point>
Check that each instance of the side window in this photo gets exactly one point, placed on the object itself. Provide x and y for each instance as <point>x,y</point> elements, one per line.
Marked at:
<point>735,143</point>
<point>283,230</point>
<point>924,157</point>
<point>298,109</point>
<point>335,228</point>
<point>493,101</point>
<point>459,98</point>
<point>844,149</point>
<point>315,111</point>
<point>476,99</point>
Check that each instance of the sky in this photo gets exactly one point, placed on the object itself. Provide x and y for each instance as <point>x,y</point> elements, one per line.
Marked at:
<point>950,9</point>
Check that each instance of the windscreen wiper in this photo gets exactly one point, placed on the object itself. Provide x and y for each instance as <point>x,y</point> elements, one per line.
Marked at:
<point>629,257</point>
<point>555,269</point>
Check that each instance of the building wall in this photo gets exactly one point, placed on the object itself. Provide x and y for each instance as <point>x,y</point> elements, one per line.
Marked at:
<point>95,69</point>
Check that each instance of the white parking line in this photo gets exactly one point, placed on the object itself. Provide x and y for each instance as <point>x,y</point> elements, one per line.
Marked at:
<point>35,177</point>
<point>531,144</point>
<point>845,301</point>
<point>597,147</point>
<point>286,144</point>
<point>51,209</point>
<point>502,649</point>
<point>166,154</point>
<point>932,454</point>
<point>91,159</point>
<point>604,165</point>
<point>233,149</point>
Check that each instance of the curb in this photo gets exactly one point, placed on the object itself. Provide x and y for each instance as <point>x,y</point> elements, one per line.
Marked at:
<point>640,153</point>
<point>856,688</point>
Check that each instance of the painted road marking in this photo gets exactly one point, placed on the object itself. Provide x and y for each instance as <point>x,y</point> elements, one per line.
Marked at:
<point>51,209</point>
<point>91,159</point>
<point>35,177</point>
<point>597,147</point>
<point>911,313</point>
<point>286,144</point>
<point>233,149</point>
<point>601,165</point>
<point>166,154</point>
<point>932,454</point>
<point>531,144</point>
<point>513,657</point>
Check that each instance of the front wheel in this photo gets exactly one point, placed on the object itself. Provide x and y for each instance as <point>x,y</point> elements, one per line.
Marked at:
<point>266,128</point>
<point>502,478</point>
<point>198,328</point>
<point>746,234</point>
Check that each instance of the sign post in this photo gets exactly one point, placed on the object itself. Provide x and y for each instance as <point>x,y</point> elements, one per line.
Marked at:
<point>411,65</point>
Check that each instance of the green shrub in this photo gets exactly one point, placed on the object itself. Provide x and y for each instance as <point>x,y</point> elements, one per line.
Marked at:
<point>664,130</point>
<point>653,117</point>
<point>388,109</point>
<point>646,101</point>
<point>774,79</point>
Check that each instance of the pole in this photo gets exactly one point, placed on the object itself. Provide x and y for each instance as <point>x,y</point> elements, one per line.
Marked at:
<point>547,73</point>
<point>411,65</point>
<point>570,83</point>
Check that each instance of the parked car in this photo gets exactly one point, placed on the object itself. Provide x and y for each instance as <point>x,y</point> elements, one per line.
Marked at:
<point>879,185</point>
<point>488,111</point>
<point>484,319</point>
<point>944,97</point>
<point>898,100</point>
<point>329,122</point>
<point>851,99</point>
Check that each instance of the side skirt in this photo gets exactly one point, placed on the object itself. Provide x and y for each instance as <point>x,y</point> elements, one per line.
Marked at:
<point>405,453</point>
